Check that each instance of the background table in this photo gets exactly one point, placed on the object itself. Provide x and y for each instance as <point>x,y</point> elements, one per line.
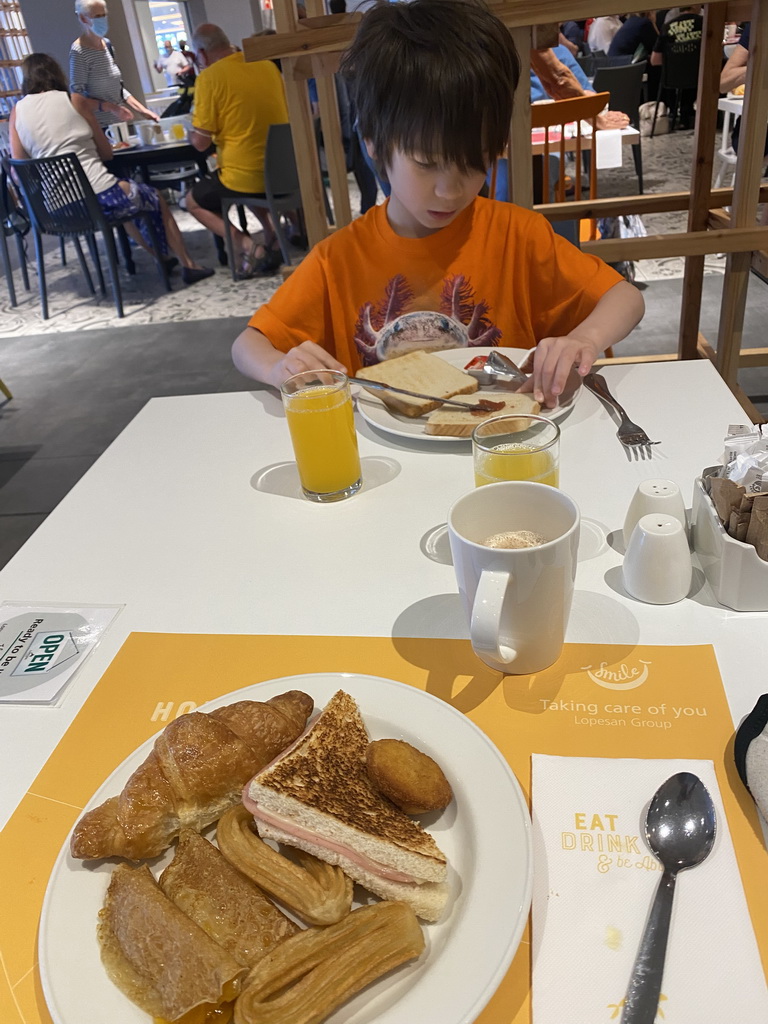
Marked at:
<point>193,520</point>
<point>141,158</point>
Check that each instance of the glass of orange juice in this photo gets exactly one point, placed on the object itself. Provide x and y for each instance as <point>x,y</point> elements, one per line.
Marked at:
<point>178,131</point>
<point>318,407</point>
<point>516,447</point>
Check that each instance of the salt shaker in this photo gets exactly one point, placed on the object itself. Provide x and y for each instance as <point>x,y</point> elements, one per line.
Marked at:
<point>654,496</point>
<point>657,566</point>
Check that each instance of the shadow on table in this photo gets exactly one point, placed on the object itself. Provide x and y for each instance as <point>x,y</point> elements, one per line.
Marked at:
<point>455,665</point>
<point>283,477</point>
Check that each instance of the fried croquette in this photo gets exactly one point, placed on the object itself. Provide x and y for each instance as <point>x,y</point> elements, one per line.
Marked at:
<point>406,776</point>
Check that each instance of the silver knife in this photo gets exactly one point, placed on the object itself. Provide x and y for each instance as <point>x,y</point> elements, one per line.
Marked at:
<point>483,403</point>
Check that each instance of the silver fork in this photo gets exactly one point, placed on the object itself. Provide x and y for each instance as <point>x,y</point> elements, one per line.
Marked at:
<point>633,438</point>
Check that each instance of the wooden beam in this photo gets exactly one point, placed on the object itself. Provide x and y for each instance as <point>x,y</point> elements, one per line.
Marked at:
<point>519,163</point>
<point>334,32</point>
<point>650,202</point>
<point>701,176</point>
<point>686,243</point>
<point>303,132</point>
<point>748,173</point>
<point>751,357</point>
<point>324,66</point>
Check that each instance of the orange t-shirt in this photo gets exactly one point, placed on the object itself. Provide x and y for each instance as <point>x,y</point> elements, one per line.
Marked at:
<point>497,275</point>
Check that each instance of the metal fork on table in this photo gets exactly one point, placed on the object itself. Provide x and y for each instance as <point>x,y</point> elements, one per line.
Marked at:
<point>633,438</point>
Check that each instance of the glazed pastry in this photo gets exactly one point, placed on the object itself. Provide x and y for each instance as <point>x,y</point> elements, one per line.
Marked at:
<point>156,956</point>
<point>196,771</point>
<point>229,908</point>
<point>307,977</point>
<point>317,892</point>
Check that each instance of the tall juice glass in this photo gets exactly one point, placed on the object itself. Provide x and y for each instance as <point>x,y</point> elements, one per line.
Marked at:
<point>318,407</point>
<point>516,447</point>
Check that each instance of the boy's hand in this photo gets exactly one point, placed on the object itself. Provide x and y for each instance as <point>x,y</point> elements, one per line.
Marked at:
<point>553,360</point>
<point>306,356</point>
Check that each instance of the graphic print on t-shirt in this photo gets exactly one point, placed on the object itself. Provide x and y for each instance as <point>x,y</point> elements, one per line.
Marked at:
<point>386,329</point>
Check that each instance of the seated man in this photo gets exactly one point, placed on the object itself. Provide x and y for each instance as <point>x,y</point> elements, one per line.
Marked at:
<point>235,103</point>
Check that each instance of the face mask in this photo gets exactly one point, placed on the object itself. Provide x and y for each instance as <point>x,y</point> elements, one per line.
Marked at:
<point>99,26</point>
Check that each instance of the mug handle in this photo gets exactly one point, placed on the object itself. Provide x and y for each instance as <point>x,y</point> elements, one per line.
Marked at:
<point>486,617</point>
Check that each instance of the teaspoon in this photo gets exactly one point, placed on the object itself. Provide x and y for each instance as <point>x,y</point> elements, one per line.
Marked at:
<point>680,829</point>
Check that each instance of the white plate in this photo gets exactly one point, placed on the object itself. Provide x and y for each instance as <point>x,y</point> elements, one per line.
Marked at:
<point>373,410</point>
<point>485,834</point>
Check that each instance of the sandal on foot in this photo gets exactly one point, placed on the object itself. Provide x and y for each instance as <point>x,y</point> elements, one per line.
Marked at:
<point>249,262</point>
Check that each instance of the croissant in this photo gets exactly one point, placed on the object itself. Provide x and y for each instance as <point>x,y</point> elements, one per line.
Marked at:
<point>196,771</point>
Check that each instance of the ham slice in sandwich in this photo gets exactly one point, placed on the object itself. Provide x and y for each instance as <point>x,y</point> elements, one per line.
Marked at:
<point>318,797</point>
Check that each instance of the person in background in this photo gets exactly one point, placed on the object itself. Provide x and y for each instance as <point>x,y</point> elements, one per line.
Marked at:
<point>602,31</point>
<point>680,36</point>
<point>419,73</point>
<point>561,77</point>
<point>47,121</point>
<point>638,32</point>
<point>733,75</point>
<point>174,65</point>
<point>93,71</point>
<point>571,36</point>
<point>235,103</point>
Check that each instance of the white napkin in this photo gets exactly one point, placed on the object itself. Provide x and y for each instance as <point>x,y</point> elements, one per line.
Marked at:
<point>609,153</point>
<point>590,905</point>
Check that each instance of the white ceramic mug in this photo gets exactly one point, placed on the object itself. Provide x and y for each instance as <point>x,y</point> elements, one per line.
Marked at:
<point>517,600</point>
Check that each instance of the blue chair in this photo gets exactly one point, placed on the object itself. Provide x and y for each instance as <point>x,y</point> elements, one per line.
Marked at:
<point>60,202</point>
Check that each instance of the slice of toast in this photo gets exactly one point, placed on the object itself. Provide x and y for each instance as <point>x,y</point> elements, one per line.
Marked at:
<point>418,371</point>
<point>455,423</point>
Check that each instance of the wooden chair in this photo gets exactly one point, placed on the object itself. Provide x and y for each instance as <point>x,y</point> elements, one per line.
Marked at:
<point>556,116</point>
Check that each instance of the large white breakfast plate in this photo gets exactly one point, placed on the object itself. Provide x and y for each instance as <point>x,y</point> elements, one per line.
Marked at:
<point>485,833</point>
<point>373,410</point>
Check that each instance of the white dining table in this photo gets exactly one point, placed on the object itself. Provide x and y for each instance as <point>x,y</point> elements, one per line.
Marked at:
<point>193,522</point>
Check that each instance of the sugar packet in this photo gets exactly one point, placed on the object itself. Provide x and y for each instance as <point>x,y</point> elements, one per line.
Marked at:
<point>745,458</point>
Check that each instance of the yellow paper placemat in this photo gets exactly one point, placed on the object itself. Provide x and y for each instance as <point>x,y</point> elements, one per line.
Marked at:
<point>597,701</point>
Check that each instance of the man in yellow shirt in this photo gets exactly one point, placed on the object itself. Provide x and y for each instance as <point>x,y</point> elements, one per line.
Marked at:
<point>235,103</point>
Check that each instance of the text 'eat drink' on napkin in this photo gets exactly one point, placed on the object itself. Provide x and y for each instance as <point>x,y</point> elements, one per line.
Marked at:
<point>594,881</point>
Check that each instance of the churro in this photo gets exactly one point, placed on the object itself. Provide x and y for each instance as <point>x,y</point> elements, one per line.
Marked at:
<point>309,975</point>
<point>318,893</point>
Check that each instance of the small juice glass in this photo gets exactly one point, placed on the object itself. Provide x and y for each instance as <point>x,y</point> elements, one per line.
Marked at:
<point>318,407</point>
<point>516,447</point>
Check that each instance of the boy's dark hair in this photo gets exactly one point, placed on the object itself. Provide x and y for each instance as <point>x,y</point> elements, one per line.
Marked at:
<point>41,73</point>
<point>433,77</point>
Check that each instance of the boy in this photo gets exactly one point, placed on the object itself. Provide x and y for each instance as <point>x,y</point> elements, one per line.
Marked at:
<point>433,82</point>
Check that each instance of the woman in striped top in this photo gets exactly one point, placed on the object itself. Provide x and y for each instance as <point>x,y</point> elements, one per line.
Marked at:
<point>94,73</point>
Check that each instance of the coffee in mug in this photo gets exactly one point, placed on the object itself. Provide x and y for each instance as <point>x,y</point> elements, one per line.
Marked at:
<point>517,599</point>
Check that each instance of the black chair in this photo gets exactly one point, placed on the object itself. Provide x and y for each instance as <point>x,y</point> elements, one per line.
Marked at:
<point>679,74</point>
<point>281,190</point>
<point>625,84</point>
<point>603,61</point>
<point>60,202</point>
<point>13,222</point>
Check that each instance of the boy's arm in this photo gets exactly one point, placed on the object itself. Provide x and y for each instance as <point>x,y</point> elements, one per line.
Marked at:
<point>619,310</point>
<point>255,356</point>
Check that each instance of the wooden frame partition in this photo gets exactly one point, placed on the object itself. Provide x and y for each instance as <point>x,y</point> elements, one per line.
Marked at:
<point>311,47</point>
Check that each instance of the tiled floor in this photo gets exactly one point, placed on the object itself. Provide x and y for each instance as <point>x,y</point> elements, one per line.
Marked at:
<point>81,376</point>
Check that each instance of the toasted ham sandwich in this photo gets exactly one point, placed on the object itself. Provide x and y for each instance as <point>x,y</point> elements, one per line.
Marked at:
<point>317,797</point>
